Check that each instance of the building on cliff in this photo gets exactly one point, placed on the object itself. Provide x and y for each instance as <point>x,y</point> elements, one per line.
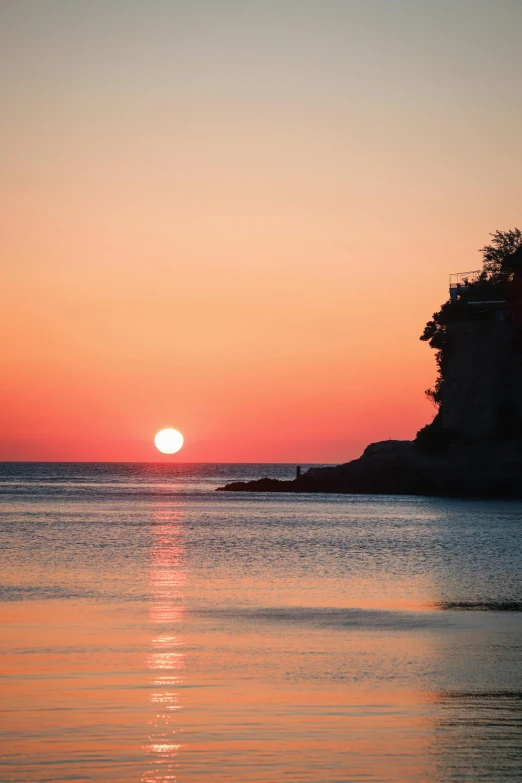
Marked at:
<point>482,392</point>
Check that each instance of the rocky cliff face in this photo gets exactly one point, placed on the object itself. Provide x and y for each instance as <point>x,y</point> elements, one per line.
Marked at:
<point>483,381</point>
<point>478,378</point>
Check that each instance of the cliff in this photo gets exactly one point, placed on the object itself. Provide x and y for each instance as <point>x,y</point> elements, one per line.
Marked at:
<point>473,446</point>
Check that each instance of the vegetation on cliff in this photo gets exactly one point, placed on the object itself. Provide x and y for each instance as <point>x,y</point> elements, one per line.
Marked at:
<point>500,260</point>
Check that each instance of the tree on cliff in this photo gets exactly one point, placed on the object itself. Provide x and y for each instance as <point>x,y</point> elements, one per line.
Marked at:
<point>499,261</point>
<point>497,257</point>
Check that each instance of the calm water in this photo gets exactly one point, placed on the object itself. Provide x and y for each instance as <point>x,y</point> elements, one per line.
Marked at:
<point>154,630</point>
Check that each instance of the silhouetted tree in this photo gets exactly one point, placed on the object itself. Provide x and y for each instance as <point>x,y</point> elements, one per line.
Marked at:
<point>496,256</point>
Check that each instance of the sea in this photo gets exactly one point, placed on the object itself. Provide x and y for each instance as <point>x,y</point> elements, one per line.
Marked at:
<point>153,629</point>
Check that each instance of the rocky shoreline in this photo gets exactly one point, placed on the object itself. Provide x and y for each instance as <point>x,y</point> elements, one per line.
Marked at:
<point>486,469</point>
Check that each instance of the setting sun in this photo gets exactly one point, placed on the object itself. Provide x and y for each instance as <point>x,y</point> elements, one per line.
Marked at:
<point>168,441</point>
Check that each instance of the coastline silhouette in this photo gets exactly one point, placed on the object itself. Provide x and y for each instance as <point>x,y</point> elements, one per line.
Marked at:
<point>473,446</point>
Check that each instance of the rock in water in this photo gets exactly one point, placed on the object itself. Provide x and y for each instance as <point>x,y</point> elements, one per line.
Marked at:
<point>402,468</point>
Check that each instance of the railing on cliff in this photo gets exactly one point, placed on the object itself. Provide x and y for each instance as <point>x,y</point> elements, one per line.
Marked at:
<point>458,281</point>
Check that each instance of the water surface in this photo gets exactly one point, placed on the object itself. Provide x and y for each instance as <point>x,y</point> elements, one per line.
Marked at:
<point>154,630</point>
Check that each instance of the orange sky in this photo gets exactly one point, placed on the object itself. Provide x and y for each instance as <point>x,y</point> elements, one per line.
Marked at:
<point>234,218</point>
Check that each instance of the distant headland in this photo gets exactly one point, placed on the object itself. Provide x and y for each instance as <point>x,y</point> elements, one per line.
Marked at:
<point>473,446</point>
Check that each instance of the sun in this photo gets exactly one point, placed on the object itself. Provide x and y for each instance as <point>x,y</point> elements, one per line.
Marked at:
<point>168,441</point>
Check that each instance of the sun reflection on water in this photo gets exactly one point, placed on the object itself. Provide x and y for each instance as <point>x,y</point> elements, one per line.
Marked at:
<point>166,659</point>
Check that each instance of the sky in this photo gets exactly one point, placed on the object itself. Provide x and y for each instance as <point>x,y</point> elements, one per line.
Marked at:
<point>234,218</point>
